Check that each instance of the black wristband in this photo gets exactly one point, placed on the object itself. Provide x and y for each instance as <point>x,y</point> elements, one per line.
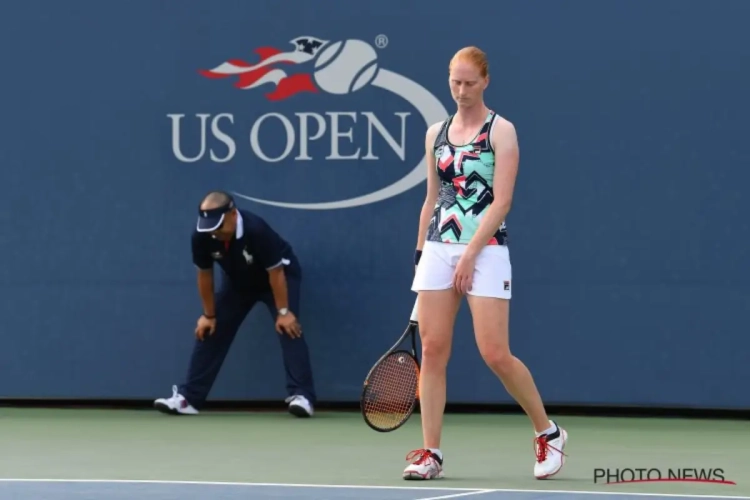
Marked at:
<point>417,256</point>
<point>208,317</point>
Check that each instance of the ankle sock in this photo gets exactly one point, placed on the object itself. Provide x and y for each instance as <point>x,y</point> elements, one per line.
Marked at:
<point>552,429</point>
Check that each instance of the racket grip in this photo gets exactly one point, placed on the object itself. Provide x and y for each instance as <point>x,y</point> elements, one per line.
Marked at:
<point>413,318</point>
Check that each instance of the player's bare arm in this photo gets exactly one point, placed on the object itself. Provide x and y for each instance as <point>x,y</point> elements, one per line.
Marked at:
<point>433,184</point>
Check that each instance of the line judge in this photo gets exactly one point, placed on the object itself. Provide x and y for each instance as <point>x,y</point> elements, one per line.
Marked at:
<point>257,265</point>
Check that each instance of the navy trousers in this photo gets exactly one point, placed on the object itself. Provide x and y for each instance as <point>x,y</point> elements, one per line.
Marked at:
<point>208,355</point>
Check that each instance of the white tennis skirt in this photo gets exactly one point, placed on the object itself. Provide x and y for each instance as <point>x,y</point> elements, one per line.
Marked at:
<point>492,271</point>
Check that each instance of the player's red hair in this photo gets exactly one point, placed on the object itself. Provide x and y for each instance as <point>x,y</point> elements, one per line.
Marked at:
<point>472,55</point>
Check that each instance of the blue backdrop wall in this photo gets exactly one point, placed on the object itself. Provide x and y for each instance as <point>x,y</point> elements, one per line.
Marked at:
<point>629,232</point>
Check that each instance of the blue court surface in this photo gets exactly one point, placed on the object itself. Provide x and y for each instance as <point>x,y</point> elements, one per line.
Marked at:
<point>59,489</point>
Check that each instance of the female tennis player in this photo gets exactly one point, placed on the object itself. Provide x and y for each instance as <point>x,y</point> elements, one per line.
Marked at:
<point>472,160</point>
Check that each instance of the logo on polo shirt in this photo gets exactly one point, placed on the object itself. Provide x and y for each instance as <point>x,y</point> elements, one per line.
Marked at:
<point>357,125</point>
<point>248,257</point>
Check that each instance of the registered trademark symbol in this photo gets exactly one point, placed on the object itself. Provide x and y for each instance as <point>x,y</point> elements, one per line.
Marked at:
<point>381,41</point>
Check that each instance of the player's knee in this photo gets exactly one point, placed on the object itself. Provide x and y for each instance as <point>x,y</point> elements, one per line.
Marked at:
<point>499,358</point>
<point>435,348</point>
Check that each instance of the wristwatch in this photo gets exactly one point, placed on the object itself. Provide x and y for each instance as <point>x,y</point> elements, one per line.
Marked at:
<point>283,311</point>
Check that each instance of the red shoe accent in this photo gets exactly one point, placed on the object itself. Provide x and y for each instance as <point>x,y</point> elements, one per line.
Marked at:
<point>421,456</point>
<point>541,447</point>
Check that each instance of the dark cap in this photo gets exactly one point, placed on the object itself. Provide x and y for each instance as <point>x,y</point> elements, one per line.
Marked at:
<point>212,219</point>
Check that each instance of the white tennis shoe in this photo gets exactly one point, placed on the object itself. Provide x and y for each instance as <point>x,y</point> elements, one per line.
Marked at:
<point>176,405</point>
<point>425,465</point>
<point>549,453</point>
<point>299,406</point>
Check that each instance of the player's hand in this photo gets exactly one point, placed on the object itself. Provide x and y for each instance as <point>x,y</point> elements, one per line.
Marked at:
<point>464,274</point>
<point>288,324</point>
<point>204,326</point>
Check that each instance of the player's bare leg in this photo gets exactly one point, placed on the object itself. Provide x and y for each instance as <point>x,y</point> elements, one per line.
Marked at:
<point>436,315</point>
<point>490,318</point>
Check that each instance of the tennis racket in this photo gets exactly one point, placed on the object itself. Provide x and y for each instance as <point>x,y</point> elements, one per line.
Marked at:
<point>391,388</point>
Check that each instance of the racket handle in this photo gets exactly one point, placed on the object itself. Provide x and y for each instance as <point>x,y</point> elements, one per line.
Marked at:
<point>413,318</point>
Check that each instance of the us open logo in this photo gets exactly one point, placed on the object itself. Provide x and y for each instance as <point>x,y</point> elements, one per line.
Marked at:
<point>337,68</point>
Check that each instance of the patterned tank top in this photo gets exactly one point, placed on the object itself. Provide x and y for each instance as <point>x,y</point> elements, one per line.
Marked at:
<point>466,173</point>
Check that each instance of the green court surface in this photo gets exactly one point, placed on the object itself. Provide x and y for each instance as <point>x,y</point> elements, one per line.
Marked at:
<point>482,452</point>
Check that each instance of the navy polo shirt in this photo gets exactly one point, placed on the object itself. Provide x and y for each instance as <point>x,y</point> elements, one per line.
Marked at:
<point>247,257</point>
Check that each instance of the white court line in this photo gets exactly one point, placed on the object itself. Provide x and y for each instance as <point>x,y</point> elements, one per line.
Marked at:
<point>456,495</point>
<point>230,483</point>
<point>367,487</point>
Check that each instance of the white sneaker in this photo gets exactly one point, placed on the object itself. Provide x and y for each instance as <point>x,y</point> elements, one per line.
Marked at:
<point>299,406</point>
<point>549,453</point>
<point>425,465</point>
<point>176,405</point>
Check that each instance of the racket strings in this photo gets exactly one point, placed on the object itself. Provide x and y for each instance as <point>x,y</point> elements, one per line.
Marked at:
<point>392,390</point>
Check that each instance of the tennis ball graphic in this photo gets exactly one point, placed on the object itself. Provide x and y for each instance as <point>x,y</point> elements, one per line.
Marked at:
<point>345,67</point>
